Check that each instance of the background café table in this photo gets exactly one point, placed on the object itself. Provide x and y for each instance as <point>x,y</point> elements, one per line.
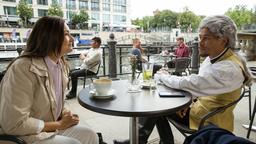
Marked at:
<point>142,104</point>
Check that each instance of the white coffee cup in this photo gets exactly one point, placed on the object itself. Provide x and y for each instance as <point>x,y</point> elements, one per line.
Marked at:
<point>102,86</point>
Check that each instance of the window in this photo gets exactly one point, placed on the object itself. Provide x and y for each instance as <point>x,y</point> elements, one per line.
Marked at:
<point>119,19</point>
<point>10,10</point>
<point>83,5</point>
<point>29,1</point>
<point>119,2</point>
<point>106,18</point>
<point>59,2</point>
<point>105,7</point>
<point>70,14</point>
<point>95,6</point>
<point>71,4</point>
<point>42,12</point>
<point>119,8</point>
<point>95,16</point>
<point>10,0</point>
<point>42,2</point>
<point>106,1</point>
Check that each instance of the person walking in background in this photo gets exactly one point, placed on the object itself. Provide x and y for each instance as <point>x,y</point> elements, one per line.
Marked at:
<point>91,61</point>
<point>32,90</point>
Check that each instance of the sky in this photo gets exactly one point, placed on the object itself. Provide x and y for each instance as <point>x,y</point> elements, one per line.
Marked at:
<point>140,8</point>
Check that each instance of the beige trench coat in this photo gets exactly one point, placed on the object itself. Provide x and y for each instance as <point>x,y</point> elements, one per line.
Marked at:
<point>27,96</point>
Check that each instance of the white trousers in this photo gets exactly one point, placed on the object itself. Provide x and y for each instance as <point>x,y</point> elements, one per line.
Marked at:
<point>74,135</point>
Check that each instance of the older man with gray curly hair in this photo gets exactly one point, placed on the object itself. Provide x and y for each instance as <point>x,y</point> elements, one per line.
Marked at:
<point>219,81</point>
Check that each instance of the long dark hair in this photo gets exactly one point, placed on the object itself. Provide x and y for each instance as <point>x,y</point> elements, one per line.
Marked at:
<point>46,38</point>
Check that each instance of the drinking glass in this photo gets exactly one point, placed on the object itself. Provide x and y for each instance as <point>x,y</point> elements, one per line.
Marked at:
<point>147,69</point>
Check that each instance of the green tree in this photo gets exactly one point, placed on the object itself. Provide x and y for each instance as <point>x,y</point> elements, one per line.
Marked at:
<point>254,15</point>
<point>55,9</point>
<point>80,18</point>
<point>138,22</point>
<point>144,23</point>
<point>24,11</point>
<point>187,20</point>
<point>165,18</point>
<point>240,15</point>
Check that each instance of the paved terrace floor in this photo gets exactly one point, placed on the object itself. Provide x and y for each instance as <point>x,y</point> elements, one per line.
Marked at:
<point>114,127</point>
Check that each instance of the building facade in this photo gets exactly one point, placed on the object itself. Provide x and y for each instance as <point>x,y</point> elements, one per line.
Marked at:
<point>103,14</point>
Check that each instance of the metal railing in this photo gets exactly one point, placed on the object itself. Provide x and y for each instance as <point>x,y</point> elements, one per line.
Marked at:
<point>122,53</point>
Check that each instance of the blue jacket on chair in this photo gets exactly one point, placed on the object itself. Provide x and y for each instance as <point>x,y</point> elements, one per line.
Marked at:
<point>212,134</point>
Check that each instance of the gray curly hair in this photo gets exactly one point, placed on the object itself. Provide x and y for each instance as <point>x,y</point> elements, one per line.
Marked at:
<point>221,26</point>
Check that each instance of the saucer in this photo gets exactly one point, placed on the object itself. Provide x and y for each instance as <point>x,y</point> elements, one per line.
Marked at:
<point>110,94</point>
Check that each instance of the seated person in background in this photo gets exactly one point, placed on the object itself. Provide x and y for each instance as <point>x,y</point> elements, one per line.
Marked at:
<point>138,50</point>
<point>91,60</point>
<point>32,90</point>
<point>218,83</point>
<point>181,51</point>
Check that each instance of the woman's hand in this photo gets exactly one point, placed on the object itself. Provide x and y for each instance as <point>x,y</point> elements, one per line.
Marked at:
<point>68,119</point>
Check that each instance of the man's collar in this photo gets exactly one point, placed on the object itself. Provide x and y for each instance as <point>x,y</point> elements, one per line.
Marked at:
<point>213,60</point>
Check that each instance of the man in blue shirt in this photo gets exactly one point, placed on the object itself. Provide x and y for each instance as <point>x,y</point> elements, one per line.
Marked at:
<point>138,50</point>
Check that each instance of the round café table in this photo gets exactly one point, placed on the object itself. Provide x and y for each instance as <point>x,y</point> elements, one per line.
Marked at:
<point>145,103</point>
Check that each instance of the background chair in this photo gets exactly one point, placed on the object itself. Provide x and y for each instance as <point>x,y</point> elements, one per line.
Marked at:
<point>185,130</point>
<point>92,76</point>
<point>181,65</point>
<point>85,77</point>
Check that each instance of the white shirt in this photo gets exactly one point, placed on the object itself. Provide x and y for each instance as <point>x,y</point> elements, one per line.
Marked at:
<point>92,57</point>
<point>213,79</point>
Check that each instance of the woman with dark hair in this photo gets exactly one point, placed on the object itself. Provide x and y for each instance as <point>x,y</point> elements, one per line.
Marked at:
<point>32,90</point>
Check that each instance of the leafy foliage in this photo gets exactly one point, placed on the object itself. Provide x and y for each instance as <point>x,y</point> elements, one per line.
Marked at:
<point>188,20</point>
<point>165,18</point>
<point>80,19</point>
<point>24,11</point>
<point>240,15</point>
<point>55,9</point>
<point>254,15</point>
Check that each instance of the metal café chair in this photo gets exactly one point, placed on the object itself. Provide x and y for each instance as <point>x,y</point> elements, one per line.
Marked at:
<point>87,76</point>
<point>181,66</point>
<point>12,138</point>
<point>185,130</point>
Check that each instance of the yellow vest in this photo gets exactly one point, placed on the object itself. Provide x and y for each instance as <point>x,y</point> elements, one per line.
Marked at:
<point>206,104</point>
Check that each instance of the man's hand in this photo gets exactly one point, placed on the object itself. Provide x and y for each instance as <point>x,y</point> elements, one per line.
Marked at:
<point>143,60</point>
<point>82,56</point>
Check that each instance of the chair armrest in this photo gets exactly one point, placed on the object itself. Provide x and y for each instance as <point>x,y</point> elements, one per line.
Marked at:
<point>182,127</point>
<point>12,138</point>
